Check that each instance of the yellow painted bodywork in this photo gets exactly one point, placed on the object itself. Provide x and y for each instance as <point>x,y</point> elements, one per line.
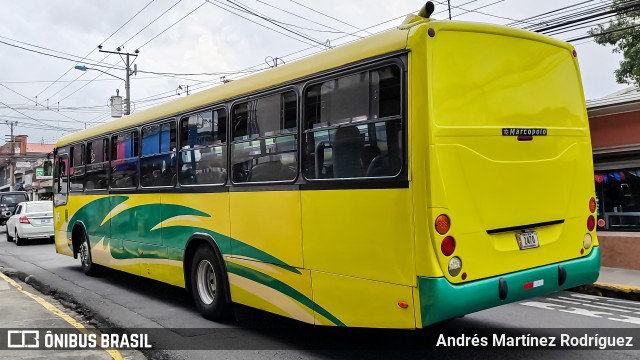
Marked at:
<point>269,220</point>
<point>347,256</point>
<point>362,302</point>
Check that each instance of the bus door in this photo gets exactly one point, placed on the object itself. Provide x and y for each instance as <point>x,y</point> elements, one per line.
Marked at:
<point>61,193</point>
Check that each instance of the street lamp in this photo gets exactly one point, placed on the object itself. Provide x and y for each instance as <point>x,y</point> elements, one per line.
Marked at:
<point>126,83</point>
<point>84,68</point>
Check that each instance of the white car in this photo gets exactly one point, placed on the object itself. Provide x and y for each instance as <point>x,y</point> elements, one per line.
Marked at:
<point>31,220</point>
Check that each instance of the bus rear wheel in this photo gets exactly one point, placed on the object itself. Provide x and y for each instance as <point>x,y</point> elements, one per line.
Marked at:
<point>207,285</point>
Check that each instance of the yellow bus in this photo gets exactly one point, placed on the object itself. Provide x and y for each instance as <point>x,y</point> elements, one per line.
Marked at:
<point>427,172</point>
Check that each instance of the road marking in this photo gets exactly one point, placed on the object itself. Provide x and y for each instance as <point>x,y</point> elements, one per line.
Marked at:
<point>629,319</point>
<point>579,304</point>
<point>585,312</point>
<point>115,354</point>
<point>589,305</point>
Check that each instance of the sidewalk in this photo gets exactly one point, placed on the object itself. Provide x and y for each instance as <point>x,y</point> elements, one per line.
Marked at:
<point>614,282</point>
<point>23,308</point>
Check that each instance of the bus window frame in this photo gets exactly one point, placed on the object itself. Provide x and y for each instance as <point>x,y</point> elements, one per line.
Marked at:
<point>402,63</point>
<point>136,156</point>
<point>295,87</point>
<point>167,120</point>
<point>107,161</point>
<point>83,148</point>
<point>56,179</point>
<point>226,145</point>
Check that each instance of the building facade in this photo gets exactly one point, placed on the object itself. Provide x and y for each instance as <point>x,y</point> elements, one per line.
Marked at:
<point>27,167</point>
<point>615,134</point>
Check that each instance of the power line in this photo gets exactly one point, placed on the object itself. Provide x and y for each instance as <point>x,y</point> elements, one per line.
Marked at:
<point>20,112</point>
<point>56,56</point>
<point>128,21</point>
<point>328,16</point>
<point>304,18</point>
<point>259,24</point>
<point>604,33</point>
<point>153,21</point>
<point>170,26</point>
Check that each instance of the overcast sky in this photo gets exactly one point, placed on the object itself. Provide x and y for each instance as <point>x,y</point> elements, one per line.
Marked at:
<point>210,39</point>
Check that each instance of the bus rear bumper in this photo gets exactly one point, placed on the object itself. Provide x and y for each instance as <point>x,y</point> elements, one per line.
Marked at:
<point>440,300</point>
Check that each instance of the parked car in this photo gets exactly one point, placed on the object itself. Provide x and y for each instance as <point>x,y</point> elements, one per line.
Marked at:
<point>8,203</point>
<point>31,220</point>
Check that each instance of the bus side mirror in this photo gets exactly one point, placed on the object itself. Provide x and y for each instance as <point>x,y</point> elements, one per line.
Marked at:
<point>47,168</point>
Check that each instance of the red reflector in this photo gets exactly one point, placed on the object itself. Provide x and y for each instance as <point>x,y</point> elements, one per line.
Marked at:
<point>448,246</point>
<point>528,286</point>
<point>403,304</point>
<point>525,138</point>
<point>591,223</point>
<point>575,53</point>
<point>24,220</point>
<point>533,284</point>
<point>464,276</point>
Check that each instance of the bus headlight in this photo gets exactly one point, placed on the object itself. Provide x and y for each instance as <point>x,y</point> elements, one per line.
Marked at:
<point>455,265</point>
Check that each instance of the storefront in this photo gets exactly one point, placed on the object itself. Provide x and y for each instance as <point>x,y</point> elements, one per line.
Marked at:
<point>615,135</point>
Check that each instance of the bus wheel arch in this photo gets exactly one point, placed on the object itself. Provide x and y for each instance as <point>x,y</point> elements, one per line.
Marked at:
<point>202,252</point>
<point>77,233</point>
<point>82,249</point>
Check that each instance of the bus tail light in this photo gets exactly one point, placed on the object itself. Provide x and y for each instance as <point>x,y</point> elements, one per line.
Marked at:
<point>24,220</point>
<point>591,223</point>
<point>442,224</point>
<point>448,246</point>
<point>592,205</point>
<point>455,265</point>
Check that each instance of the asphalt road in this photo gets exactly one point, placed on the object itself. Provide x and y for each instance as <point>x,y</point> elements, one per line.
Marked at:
<point>124,301</point>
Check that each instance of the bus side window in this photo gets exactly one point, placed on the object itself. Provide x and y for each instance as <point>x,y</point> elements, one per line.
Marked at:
<point>264,133</point>
<point>353,126</point>
<point>77,170</point>
<point>97,176</point>
<point>203,157</point>
<point>157,160</point>
<point>124,160</point>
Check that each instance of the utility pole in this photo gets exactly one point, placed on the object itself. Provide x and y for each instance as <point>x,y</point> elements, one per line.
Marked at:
<point>12,164</point>
<point>129,72</point>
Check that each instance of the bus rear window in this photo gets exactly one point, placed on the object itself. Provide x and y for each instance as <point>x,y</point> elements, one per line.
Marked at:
<point>492,80</point>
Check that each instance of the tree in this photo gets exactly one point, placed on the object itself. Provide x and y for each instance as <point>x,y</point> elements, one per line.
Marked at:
<point>623,32</point>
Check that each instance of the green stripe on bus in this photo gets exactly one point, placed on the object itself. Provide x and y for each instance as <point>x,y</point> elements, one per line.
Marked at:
<point>136,224</point>
<point>282,287</point>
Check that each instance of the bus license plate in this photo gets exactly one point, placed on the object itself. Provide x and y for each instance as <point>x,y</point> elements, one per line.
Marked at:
<point>527,240</point>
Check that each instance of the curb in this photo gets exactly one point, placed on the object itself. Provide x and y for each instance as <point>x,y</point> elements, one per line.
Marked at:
<point>610,290</point>
<point>67,300</point>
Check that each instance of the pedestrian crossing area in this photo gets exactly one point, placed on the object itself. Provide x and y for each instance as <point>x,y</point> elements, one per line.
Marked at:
<point>588,305</point>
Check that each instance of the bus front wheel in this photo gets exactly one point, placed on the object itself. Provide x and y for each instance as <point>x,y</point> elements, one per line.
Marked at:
<point>84,253</point>
<point>207,285</point>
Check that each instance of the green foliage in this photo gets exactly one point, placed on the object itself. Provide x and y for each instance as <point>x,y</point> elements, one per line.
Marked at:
<point>623,32</point>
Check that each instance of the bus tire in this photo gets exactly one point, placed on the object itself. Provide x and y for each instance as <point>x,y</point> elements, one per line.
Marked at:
<point>84,253</point>
<point>208,285</point>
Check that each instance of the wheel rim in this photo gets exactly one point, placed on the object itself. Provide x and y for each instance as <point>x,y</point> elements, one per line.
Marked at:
<point>206,281</point>
<point>84,254</point>
<point>16,238</point>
